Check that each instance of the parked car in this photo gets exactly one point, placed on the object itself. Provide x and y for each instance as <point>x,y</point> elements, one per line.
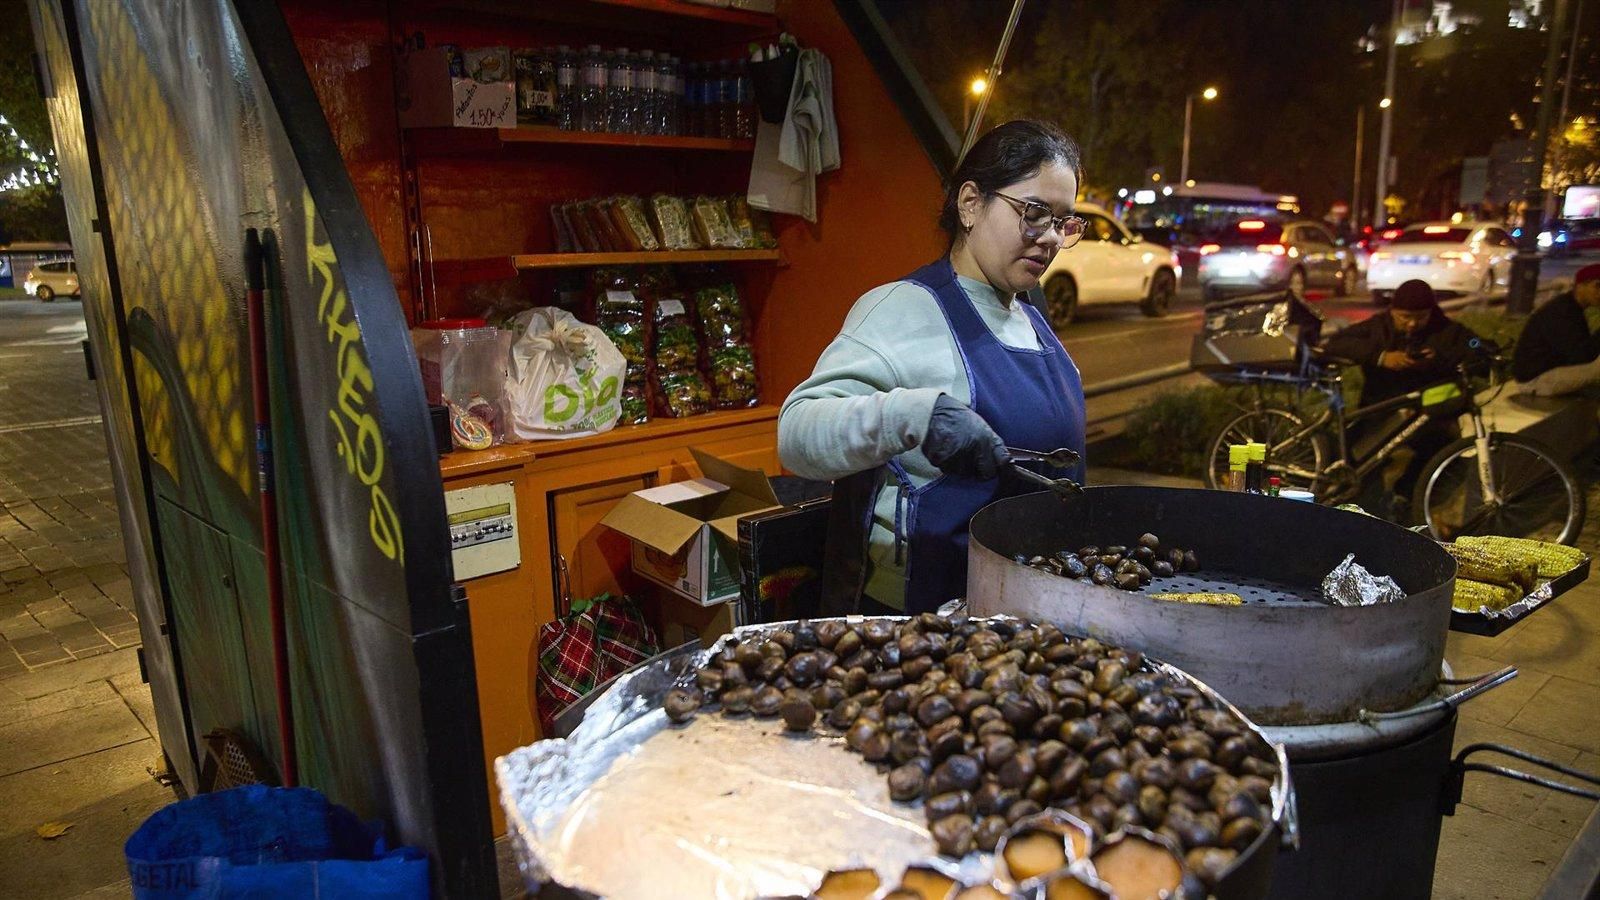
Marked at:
<point>1570,236</point>
<point>50,280</point>
<point>1110,265</point>
<point>1452,257</point>
<point>1260,255</point>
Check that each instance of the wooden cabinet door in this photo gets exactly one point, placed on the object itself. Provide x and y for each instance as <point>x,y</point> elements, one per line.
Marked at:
<point>597,557</point>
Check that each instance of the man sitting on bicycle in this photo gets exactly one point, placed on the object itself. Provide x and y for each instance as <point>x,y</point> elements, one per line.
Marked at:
<point>1409,347</point>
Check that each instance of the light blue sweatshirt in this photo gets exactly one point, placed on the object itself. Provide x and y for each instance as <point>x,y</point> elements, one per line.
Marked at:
<point>870,396</point>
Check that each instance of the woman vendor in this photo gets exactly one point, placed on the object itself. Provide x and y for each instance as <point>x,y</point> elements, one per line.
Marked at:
<point>911,409</point>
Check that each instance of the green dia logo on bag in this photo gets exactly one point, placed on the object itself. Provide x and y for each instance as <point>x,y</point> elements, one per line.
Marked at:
<point>562,402</point>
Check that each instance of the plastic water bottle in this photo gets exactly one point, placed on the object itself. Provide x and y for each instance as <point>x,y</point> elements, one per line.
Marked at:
<point>692,124</point>
<point>620,116</point>
<point>592,92</point>
<point>668,87</point>
<point>566,88</point>
<point>645,89</point>
<point>744,114</point>
<point>726,84</point>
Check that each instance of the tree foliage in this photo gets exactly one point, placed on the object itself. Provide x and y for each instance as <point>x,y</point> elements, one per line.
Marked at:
<point>31,214</point>
<point>1290,76</point>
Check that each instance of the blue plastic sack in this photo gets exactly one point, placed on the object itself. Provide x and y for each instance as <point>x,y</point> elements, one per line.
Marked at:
<point>262,842</point>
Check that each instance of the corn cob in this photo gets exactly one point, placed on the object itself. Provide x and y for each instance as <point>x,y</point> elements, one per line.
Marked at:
<point>1207,599</point>
<point>1551,560</point>
<point>1478,564</point>
<point>1472,595</point>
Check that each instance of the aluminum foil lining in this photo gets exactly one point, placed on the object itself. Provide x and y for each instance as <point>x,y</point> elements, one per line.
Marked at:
<point>1541,594</point>
<point>630,806</point>
<point>1350,584</point>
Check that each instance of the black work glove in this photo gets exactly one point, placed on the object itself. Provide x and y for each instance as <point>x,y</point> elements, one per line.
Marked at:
<point>961,443</point>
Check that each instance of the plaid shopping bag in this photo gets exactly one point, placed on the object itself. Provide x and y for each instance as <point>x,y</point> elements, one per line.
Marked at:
<point>569,665</point>
<point>625,639</point>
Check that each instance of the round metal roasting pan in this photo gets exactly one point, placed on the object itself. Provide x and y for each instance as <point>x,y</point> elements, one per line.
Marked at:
<point>1283,657</point>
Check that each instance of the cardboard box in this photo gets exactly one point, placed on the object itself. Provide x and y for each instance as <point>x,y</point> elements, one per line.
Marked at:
<point>436,97</point>
<point>686,535</point>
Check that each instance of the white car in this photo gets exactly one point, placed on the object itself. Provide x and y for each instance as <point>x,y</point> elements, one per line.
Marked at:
<point>1452,257</point>
<point>1109,265</point>
<point>50,280</point>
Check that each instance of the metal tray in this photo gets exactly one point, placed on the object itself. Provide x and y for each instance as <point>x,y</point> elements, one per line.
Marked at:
<point>548,791</point>
<point>1491,624</point>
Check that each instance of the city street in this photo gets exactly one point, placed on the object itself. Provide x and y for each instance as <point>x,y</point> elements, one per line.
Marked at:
<point>1115,342</point>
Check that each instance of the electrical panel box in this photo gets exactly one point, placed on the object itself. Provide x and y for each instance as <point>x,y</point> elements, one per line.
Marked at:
<point>483,529</point>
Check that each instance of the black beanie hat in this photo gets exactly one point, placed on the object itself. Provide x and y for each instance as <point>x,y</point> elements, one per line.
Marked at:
<point>1414,294</point>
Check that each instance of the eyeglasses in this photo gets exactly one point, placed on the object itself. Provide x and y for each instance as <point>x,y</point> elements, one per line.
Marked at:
<point>1037,219</point>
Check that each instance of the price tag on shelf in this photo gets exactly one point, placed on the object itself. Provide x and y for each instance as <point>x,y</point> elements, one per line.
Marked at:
<point>670,307</point>
<point>619,296</point>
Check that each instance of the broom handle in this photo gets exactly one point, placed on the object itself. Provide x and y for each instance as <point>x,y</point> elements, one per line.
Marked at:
<point>255,298</point>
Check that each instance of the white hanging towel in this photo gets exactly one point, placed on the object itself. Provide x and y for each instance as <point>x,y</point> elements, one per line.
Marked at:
<point>789,157</point>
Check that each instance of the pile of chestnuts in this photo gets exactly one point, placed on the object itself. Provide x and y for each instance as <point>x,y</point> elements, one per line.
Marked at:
<point>1116,565</point>
<point>988,722</point>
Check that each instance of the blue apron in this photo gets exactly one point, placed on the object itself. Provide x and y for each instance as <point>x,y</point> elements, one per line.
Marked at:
<point>1032,398</point>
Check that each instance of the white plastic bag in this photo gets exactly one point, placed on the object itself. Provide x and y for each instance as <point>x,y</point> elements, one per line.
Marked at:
<point>565,377</point>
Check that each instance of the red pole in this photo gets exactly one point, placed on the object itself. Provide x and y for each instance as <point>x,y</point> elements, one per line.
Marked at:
<point>255,275</point>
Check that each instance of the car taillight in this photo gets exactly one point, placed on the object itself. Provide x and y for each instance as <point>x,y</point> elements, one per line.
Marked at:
<point>1208,249</point>
<point>1391,234</point>
<point>1274,249</point>
<point>1462,255</point>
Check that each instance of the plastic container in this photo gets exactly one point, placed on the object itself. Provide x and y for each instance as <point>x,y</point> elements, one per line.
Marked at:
<point>256,841</point>
<point>463,364</point>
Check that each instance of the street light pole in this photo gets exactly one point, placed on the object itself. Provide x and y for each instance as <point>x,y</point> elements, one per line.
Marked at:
<point>1188,118</point>
<point>1382,187</point>
<point>1525,265</point>
<point>1209,93</point>
<point>1355,191</point>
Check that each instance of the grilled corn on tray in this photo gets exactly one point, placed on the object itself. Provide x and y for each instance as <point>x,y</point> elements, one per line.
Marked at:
<point>1501,580</point>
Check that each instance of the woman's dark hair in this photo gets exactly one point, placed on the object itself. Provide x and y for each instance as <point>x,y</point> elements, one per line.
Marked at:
<point>1009,153</point>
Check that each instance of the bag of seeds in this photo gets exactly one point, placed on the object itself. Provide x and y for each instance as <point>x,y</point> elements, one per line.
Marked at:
<point>743,230</point>
<point>670,218</point>
<point>682,394</point>
<point>730,365</point>
<point>620,313</point>
<point>676,347</point>
<point>733,377</point>
<point>627,213</point>
<point>712,226</point>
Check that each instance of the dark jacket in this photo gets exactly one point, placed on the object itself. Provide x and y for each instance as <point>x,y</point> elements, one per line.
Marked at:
<point>1557,334</point>
<point>1364,342</point>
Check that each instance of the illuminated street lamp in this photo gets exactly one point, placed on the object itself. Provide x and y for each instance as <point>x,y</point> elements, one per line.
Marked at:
<point>1208,94</point>
<point>1385,103</point>
<point>975,91</point>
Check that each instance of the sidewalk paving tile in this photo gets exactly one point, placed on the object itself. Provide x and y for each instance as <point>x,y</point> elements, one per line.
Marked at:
<point>104,795</point>
<point>69,734</point>
<point>1565,711</point>
<point>1482,856</point>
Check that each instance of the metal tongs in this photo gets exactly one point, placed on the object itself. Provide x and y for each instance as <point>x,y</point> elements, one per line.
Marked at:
<point>1059,458</point>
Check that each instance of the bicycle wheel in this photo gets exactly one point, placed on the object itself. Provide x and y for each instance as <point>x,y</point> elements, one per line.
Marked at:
<point>1298,465</point>
<point>1539,496</point>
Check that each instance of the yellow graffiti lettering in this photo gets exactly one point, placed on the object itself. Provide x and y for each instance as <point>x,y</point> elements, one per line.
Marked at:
<point>363,449</point>
<point>384,525</point>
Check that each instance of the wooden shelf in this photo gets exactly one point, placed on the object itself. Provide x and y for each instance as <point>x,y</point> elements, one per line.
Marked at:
<point>601,139</point>
<point>645,258</point>
<point>470,462</point>
<point>742,17</point>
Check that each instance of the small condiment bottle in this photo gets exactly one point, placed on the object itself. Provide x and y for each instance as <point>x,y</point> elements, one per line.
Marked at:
<point>1255,470</point>
<point>1274,486</point>
<point>1238,458</point>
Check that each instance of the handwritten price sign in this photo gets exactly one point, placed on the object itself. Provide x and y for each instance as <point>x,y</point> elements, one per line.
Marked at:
<point>483,105</point>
